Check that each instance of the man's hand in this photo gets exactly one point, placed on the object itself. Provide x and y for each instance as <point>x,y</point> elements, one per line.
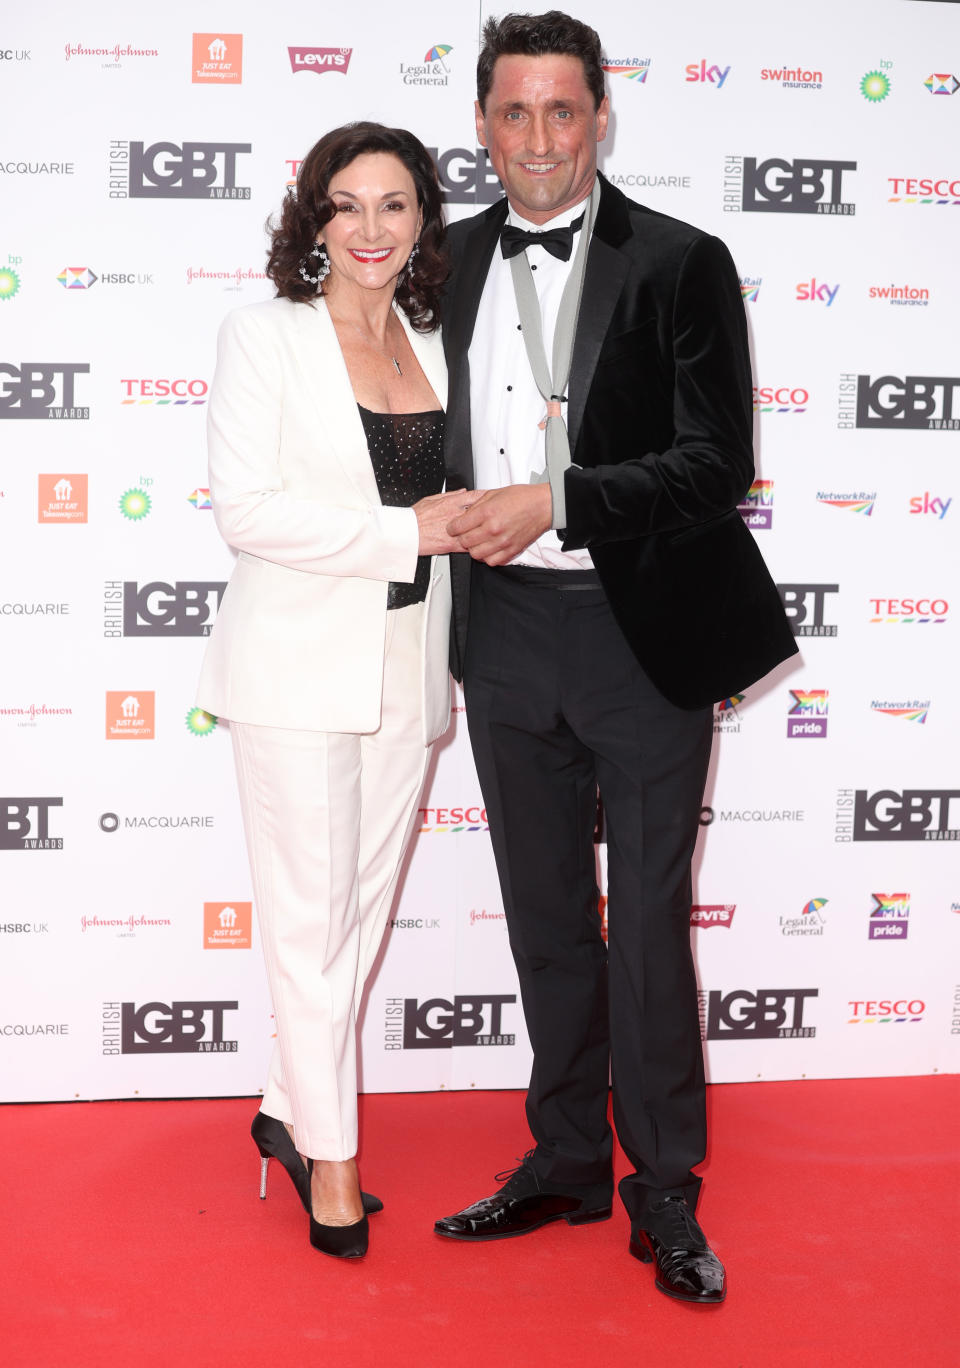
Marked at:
<point>504,522</point>
<point>434,513</point>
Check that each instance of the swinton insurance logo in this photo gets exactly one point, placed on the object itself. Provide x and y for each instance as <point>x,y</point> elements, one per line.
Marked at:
<point>174,1028</point>
<point>38,389</point>
<point>854,501</point>
<point>914,403</point>
<point>908,710</point>
<point>320,59</point>
<point>157,609</point>
<point>777,186</point>
<point>169,170</point>
<point>889,916</point>
<point>807,715</point>
<point>25,824</point>
<point>904,815</point>
<point>712,914</point>
<point>757,506</point>
<point>466,177</point>
<point>793,78</point>
<point>804,605</point>
<point>901,294</point>
<point>437,1024</point>
<point>767,1014</point>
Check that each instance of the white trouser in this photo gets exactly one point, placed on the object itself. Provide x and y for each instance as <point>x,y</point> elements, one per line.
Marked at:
<point>327,817</point>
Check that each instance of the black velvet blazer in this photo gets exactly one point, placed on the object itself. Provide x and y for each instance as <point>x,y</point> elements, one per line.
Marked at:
<point>660,418</point>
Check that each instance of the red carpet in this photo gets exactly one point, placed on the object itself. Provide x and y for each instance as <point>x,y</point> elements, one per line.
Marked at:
<point>133,1236</point>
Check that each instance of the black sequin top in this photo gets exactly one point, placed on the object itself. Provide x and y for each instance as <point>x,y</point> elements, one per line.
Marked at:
<point>406,451</point>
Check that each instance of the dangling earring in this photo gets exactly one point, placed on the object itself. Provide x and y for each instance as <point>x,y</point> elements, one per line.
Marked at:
<point>408,269</point>
<point>323,266</point>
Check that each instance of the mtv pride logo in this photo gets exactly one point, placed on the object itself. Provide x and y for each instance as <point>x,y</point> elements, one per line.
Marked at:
<point>888,916</point>
<point>807,716</point>
<point>319,59</point>
<point>757,506</point>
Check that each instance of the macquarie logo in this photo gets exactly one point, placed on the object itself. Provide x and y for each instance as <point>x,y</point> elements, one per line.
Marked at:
<point>807,715</point>
<point>886,1011</point>
<point>889,916</point>
<point>157,609</point>
<point>174,1028</point>
<point>906,815</point>
<point>908,710</point>
<point>855,501</point>
<point>778,186</point>
<point>320,59</point>
<point>920,612</point>
<point>42,389</point>
<point>179,171</point>
<point>438,1024</point>
<point>766,1014</point>
<point>466,177</point>
<point>916,403</point>
<point>25,824</point>
<point>757,506</point>
<point>712,914</point>
<point>804,605</point>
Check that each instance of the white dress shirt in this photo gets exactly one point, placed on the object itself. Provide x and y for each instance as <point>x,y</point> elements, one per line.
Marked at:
<point>506,407</point>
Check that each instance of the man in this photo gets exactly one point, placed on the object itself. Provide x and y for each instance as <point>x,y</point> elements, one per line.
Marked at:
<point>612,593</point>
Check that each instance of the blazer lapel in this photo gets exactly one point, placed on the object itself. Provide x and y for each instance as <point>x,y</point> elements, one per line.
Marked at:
<point>428,349</point>
<point>324,376</point>
<point>607,271</point>
<point>460,313</point>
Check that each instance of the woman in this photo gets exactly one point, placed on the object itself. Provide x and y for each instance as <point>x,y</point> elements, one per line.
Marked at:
<point>329,654</point>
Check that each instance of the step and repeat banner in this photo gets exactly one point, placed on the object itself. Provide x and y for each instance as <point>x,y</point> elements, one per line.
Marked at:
<point>139,160</point>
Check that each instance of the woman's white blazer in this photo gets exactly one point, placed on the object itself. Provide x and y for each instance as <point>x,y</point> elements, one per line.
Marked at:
<point>298,641</point>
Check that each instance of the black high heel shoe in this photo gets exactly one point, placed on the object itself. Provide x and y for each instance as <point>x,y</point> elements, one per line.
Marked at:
<point>343,1242</point>
<point>272,1139</point>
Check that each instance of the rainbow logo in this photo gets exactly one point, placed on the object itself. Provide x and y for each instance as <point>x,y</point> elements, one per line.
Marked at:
<point>862,503</point>
<point>200,498</point>
<point>77,278</point>
<point>731,704</point>
<point>809,703</point>
<point>814,905</point>
<point>909,714</point>
<point>942,84</point>
<point>634,70</point>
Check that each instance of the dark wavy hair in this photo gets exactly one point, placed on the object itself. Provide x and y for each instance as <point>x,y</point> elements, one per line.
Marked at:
<point>539,35</point>
<point>307,210</point>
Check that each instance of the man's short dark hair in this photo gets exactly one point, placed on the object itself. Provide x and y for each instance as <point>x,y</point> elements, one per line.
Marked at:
<point>539,35</point>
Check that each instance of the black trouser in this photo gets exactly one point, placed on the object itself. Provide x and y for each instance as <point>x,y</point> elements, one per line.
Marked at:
<point>557,706</point>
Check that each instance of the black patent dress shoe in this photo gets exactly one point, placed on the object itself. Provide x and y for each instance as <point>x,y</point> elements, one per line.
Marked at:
<point>272,1139</point>
<point>686,1266</point>
<point>522,1205</point>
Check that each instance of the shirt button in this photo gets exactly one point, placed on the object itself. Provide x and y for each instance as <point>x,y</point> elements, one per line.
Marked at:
<point>532,267</point>
<point>501,451</point>
<point>509,387</point>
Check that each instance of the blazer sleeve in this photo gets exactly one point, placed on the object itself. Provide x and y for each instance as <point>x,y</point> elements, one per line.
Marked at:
<point>708,468</point>
<point>253,510</point>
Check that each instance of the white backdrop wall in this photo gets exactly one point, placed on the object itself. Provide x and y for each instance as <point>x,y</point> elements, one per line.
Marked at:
<point>139,159</point>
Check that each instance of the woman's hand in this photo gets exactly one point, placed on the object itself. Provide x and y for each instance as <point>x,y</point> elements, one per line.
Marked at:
<point>433,514</point>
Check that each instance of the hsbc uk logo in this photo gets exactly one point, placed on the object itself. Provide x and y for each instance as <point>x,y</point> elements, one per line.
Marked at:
<point>908,815</point>
<point>168,170</point>
<point>767,1014</point>
<point>805,185</point>
<point>41,389</point>
<point>909,403</point>
<point>889,916</point>
<point>177,1028</point>
<point>438,1024</point>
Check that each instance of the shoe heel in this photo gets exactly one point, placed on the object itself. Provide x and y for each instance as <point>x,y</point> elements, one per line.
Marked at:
<point>640,1251</point>
<point>264,1165</point>
<point>588,1217</point>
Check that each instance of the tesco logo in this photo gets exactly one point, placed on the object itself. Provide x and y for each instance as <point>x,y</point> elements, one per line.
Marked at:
<point>913,1008</point>
<point>164,391</point>
<point>783,398</point>
<point>909,610</point>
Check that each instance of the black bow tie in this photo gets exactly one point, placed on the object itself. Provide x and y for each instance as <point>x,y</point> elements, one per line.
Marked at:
<point>557,241</point>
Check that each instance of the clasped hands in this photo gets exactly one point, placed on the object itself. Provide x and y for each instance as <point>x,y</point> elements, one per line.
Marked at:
<point>492,525</point>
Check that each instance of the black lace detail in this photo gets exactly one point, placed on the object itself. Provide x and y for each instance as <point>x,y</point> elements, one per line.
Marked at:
<point>406,451</point>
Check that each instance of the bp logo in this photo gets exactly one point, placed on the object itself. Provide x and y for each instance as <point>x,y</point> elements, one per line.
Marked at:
<point>200,723</point>
<point>9,283</point>
<point>135,504</point>
<point>875,86</point>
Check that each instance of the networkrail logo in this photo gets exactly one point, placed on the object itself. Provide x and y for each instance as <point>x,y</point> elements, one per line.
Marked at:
<point>908,710</point>
<point>857,501</point>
